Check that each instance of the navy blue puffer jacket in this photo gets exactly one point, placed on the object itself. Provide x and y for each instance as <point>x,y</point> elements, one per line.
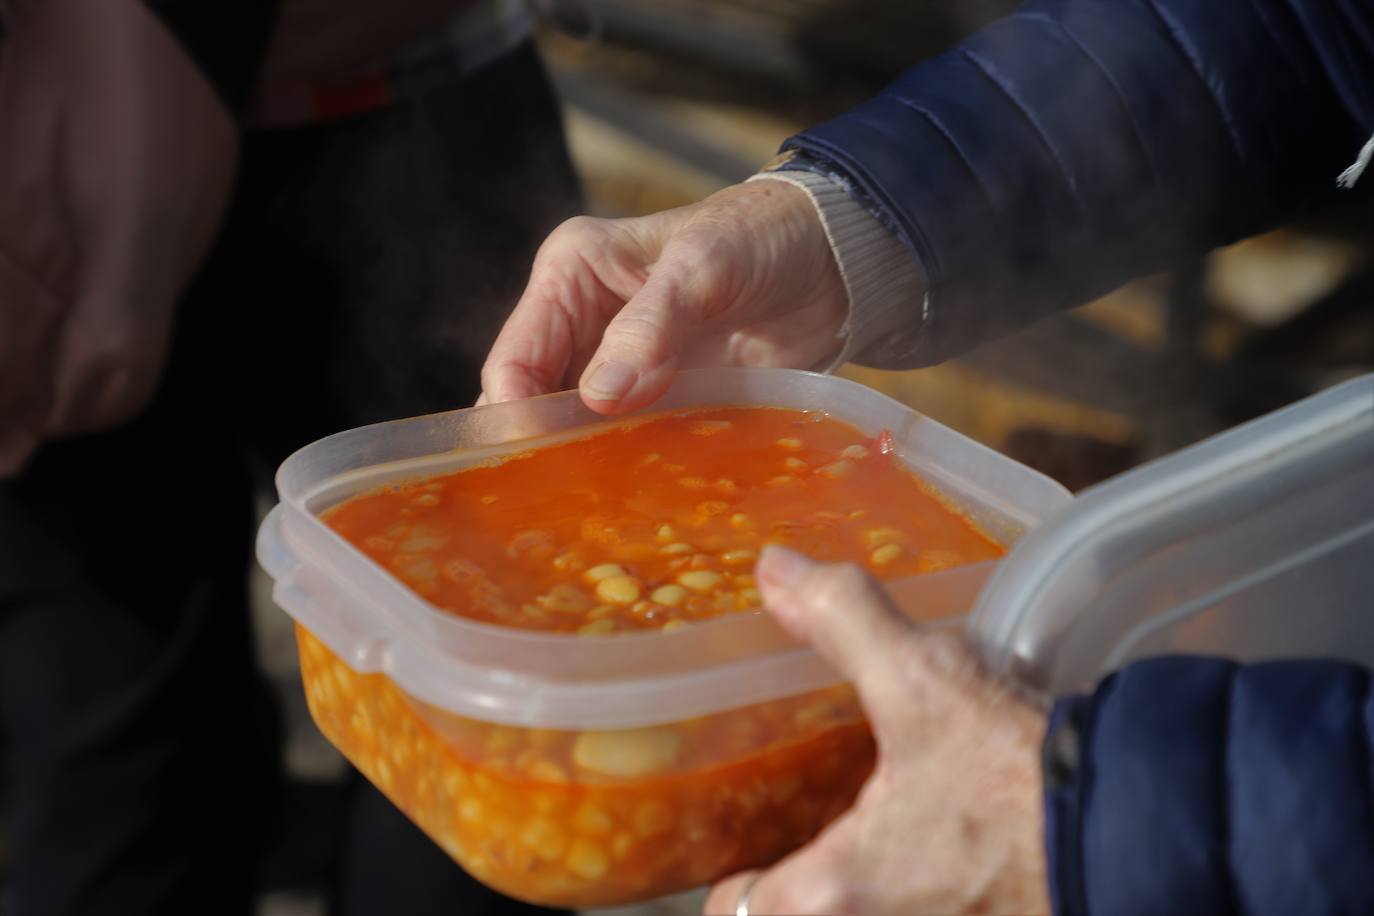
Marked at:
<point>1079,143</point>
<point>1056,154</point>
<point>1187,785</point>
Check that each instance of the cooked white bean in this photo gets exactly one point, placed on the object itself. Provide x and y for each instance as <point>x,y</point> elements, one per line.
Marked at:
<point>619,590</point>
<point>836,469</point>
<point>700,580</point>
<point>877,537</point>
<point>536,542</point>
<point>669,595</point>
<point>565,599</point>
<point>568,562</point>
<point>593,820</point>
<point>548,771</point>
<point>587,860</point>
<point>604,571</point>
<point>885,554</point>
<point>627,752</point>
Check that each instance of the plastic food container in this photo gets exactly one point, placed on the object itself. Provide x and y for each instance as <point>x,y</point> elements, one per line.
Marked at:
<point>1257,543</point>
<point>445,714</point>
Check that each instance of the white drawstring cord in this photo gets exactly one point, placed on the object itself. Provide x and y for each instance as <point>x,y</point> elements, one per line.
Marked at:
<point>1351,175</point>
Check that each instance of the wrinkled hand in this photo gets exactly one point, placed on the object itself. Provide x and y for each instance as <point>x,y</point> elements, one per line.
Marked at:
<point>951,819</point>
<point>615,307</point>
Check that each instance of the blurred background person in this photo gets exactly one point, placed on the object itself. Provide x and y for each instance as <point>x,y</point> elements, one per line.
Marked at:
<point>226,229</point>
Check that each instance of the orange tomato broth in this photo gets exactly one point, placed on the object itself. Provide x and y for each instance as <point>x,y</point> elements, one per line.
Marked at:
<point>600,818</point>
<point>524,542</point>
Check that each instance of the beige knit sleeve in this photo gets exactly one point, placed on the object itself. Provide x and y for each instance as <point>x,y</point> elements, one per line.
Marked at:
<point>884,279</point>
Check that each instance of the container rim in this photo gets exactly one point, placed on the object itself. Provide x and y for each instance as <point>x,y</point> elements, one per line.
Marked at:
<point>376,624</point>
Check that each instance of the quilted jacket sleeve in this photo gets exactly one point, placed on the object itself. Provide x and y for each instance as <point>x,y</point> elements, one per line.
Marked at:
<point>1078,143</point>
<point>1199,785</point>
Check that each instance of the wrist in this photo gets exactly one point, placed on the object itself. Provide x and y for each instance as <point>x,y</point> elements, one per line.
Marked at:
<point>783,263</point>
<point>884,283</point>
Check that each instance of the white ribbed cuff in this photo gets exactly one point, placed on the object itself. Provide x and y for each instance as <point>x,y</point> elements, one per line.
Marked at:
<point>884,280</point>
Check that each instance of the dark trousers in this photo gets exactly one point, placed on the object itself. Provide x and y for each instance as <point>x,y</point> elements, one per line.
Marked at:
<point>361,275</point>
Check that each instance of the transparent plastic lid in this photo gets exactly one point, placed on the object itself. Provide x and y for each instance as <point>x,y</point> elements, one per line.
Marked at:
<point>376,624</point>
<point>1256,543</point>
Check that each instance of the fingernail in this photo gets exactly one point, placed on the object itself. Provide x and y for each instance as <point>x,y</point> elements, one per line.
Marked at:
<point>610,382</point>
<point>781,567</point>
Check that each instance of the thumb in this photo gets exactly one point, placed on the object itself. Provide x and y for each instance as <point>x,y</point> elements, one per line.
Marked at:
<point>642,347</point>
<point>845,616</point>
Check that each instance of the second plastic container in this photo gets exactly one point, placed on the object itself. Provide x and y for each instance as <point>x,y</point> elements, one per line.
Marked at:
<point>1257,543</point>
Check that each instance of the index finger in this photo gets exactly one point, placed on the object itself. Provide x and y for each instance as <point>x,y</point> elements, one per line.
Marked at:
<point>532,352</point>
<point>847,618</point>
<point>583,275</point>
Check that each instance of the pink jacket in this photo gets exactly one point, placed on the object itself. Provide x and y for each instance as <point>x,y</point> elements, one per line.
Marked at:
<point>116,162</point>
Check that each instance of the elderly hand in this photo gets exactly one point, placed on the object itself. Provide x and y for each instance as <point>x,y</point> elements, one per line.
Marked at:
<point>951,819</point>
<point>743,278</point>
